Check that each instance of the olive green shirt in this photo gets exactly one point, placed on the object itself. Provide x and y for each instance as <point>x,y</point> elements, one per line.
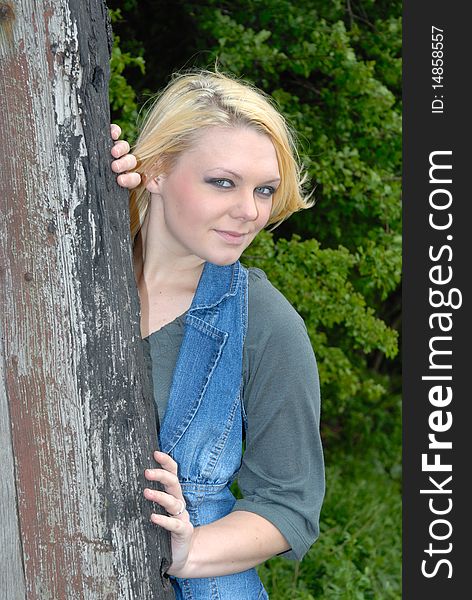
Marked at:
<point>282,472</point>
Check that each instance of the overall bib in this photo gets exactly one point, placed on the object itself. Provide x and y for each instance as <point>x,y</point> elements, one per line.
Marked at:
<point>203,424</point>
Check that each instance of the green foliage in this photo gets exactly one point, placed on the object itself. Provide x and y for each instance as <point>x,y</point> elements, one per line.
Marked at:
<point>122,95</point>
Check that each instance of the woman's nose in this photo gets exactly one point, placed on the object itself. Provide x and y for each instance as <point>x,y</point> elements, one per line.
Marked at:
<point>246,207</point>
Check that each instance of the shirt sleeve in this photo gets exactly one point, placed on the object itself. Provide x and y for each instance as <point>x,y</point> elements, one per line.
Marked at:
<point>282,472</point>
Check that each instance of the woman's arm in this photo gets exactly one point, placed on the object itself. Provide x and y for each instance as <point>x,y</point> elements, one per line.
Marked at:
<point>282,475</point>
<point>237,542</point>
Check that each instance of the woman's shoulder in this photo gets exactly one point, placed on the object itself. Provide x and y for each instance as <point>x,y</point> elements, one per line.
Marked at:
<point>267,305</point>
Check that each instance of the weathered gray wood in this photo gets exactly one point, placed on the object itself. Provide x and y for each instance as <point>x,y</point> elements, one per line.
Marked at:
<point>12,581</point>
<point>76,407</point>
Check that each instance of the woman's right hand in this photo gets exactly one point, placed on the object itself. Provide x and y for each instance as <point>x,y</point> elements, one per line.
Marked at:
<point>124,161</point>
<point>173,501</point>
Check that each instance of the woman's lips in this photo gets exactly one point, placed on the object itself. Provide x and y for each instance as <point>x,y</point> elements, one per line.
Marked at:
<point>232,237</point>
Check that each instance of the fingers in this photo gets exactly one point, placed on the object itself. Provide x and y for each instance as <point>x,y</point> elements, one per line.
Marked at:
<point>181,528</point>
<point>120,148</point>
<point>124,161</point>
<point>166,461</point>
<point>167,474</point>
<point>174,506</point>
<point>172,499</point>
<point>178,522</point>
<point>129,180</point>
<point>127,163</point>
<point>115,131</point>
<point>169,480</point>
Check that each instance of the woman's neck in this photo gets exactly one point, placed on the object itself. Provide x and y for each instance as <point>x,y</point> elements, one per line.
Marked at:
<point>166,283</point>
<point>157,265</point>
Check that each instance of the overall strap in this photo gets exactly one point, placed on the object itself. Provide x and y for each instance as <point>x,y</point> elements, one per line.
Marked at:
<point>217,317</point>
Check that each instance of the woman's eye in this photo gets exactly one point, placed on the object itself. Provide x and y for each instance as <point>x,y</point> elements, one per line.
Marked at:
<point>266,190</point>
<point>223,183</point>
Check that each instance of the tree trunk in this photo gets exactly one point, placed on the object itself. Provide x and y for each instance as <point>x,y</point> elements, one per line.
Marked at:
<point>77,420</point>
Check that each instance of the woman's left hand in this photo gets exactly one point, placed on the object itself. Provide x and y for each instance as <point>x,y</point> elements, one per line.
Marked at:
<point>124,161</point>
<point>172,500</point>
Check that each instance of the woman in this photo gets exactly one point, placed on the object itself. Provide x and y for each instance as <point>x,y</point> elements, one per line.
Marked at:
<point>231,359</point>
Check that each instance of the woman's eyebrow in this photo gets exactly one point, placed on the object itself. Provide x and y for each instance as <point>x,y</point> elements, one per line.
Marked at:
<point>233,173</point>
<point>238,176</point>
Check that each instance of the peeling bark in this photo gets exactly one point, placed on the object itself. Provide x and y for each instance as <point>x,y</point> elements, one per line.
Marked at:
<point>77,420</point>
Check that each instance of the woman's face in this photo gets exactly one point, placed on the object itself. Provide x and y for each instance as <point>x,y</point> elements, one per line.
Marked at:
<point>218,195</point>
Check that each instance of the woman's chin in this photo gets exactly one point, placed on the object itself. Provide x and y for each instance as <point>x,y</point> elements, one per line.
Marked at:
<point>224,261</point>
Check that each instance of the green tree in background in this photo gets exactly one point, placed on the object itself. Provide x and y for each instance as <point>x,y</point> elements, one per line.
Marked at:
<point>334,69</point>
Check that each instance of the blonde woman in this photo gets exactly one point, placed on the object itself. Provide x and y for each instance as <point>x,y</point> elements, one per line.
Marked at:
<point>231,359</point>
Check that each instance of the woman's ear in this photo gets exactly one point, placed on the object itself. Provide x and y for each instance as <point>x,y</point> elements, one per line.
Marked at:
<point>153,184</point>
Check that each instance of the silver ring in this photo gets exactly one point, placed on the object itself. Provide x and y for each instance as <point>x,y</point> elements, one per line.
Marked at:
<point>181,510</point>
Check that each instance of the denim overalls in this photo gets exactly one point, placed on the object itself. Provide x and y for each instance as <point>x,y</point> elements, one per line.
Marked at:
<point>202,426</point>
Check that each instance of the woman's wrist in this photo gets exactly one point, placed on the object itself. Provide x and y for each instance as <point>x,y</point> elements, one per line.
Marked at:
<point>186,569</point>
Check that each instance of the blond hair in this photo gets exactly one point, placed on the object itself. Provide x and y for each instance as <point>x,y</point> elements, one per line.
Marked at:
<point>196,100</point>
